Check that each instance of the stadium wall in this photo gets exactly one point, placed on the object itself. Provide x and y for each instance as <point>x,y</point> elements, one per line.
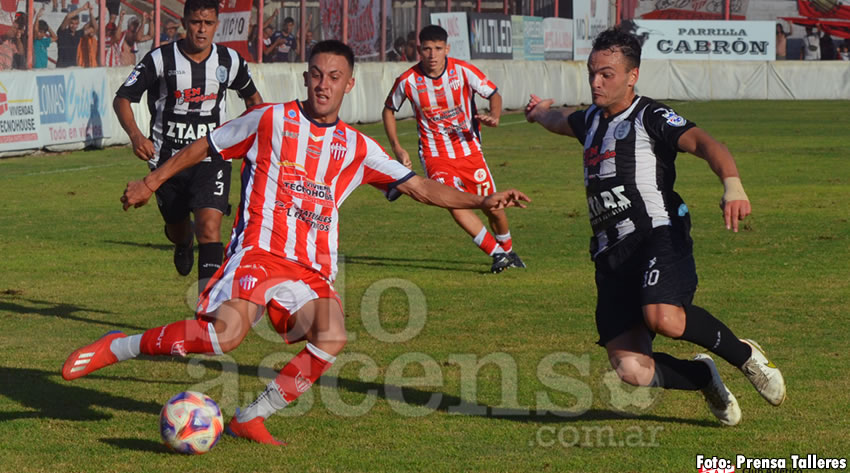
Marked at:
<point>564,81</point>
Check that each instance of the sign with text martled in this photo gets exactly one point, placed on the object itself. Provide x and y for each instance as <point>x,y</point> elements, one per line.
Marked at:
<point>490,36</point>
<point>52,108</point>
<point>707,40</point>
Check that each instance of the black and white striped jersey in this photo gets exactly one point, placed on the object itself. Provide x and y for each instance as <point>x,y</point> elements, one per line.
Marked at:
<point>629,169</point>
<point>186,99</point>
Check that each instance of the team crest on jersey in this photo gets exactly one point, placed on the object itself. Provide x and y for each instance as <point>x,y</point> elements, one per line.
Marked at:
<point>455,84</point>
<point>622,130</point>
<point>221,73</point>
<point>133,77</point>
<point>672,118</point>
<point>338,150</point>
<point>480,175</point>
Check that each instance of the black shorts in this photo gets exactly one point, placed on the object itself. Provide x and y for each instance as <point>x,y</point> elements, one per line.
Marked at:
<point>205,185</point>
<point>655,268</point>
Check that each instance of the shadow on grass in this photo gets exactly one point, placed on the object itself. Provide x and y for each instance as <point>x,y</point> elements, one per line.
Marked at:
<point>155,246</point>
<point>138,445</point>
<point>20,305</point>
<point>46,398</point>
<point>420,263</point>
<point>451,404</point>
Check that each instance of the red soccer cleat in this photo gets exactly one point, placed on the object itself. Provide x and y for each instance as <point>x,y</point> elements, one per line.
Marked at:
<point>254,430</point>
<point>91,357</point>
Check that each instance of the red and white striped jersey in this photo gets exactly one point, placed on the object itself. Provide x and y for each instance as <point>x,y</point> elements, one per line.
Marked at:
<point>444,108</point>
<point>295,176</point>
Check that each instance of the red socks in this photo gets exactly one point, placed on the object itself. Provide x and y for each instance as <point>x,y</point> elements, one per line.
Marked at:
<point>302,371</point>
<point>181,338</point>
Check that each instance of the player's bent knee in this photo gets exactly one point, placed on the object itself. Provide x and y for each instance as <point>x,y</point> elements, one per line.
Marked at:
<point>632,370</point>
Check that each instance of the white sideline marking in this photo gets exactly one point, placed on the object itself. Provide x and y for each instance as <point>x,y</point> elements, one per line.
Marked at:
<point>58,171</point>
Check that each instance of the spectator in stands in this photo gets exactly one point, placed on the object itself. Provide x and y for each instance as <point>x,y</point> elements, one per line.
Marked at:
<point>286,50</point>
<point>396,54</point>
<point>844,50</point>
<point>271,41</point>
<point>827,46</point>
<point>309,42</point>
<point>18,35</point>
<point>410,53</point>
<point>811,45</point>
<point>69,35</point>
<point>87,50</point>
<point>44,35</point>
<point>64,7</point>
<point>170,32</point>
<point>113,41</point>
<point>132,36</point>
<point>7,52</point>
<point>781,43</point>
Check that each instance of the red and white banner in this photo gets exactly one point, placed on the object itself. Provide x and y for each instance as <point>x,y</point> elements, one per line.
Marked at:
<point>233,25</point>
<point>689,9</point>
<point>364,24</point>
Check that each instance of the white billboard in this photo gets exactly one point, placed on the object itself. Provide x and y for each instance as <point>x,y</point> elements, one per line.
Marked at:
<point>590,17</point>
<point>708,40</point>
<point>455,25</point>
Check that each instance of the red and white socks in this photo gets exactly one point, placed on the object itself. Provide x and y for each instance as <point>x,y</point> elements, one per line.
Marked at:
<point>177,339</point>
<point>487,243</point>
<point>294,379</point>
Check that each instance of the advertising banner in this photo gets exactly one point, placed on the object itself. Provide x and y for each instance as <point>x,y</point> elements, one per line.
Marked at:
<point>701,40</point>
<point>557,38</point>
<point>490,36</point>
<point>233,24</point>
<point>455,25</point>
<point>364,24</point>
<point>51,108</point>
<point>527,36</point>
<point>589,19</point>
<point>689,10</point>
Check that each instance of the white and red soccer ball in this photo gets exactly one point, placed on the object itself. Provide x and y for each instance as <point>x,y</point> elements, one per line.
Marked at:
<point>190,423</point>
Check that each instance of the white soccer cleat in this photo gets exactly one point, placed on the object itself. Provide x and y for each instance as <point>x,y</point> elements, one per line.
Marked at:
<point>720,400</point>
<point>765,376</point>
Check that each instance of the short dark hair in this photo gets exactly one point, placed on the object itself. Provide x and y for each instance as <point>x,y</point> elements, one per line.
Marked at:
<point>333,46</point>
<point>195,5</point>
<point>42,26</point>
<point>433,33</point>
<point>288,20</point>
<point>617,39</point>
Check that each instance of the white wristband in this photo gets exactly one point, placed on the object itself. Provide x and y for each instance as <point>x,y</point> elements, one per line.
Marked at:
<point>734,190</point>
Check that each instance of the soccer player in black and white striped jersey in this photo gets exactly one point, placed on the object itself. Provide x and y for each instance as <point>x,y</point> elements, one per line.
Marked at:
<point>645,271</point>
<point>186,83</point>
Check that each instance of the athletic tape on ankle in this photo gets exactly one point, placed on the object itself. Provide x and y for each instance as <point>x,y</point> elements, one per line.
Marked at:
<point>734,190</point>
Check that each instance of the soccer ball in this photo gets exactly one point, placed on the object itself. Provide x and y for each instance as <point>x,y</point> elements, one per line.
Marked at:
<point>190,423</point>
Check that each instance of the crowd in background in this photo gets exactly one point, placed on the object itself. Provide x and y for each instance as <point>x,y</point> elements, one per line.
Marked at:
<point>126,42</point>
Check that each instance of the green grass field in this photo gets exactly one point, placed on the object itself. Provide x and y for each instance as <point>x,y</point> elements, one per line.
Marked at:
<point>448,368</point>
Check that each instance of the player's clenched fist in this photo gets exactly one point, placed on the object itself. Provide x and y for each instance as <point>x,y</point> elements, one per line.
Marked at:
<point>136,194</point>
<point>536,106</point>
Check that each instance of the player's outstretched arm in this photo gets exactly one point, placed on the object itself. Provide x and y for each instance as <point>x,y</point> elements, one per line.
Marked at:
<point>392,135</point>
<point>432,192</point>
<point>142,146</point>
<point>538,110</point>
<point>735,204</point>
<point>138,192</point>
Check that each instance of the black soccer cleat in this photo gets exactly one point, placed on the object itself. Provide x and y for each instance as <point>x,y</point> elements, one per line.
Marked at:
<point>184,256</point>
<point>501,261</point>
<point>516,262</point>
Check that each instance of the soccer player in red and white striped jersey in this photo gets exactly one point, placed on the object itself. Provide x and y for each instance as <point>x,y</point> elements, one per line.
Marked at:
<point>300,163</point>
<point>440,90</point>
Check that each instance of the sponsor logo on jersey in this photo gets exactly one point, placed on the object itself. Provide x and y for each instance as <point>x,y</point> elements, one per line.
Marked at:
<point>221,73</point>
<point>622,130</point>
<point>133,77</point>
<point>291,114</point>
<point>290,134</point>
<point>315,220</point>
<point>184,133</point>
<point>176,72</point>
<point>315,192</point>
<point>480,175</point>
<point>672,118</point>
<point>592,156</point>
<point>193,95</point>
<point>247,282</point>
<point>317,137</point>
<point>314,151</point>
<point>606,204</point>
